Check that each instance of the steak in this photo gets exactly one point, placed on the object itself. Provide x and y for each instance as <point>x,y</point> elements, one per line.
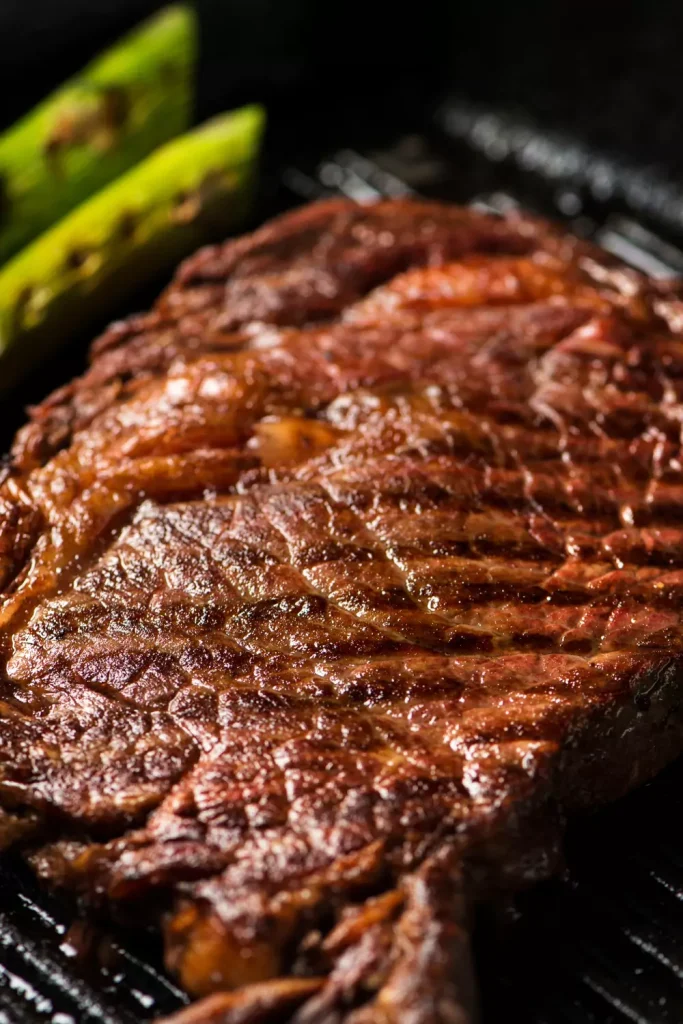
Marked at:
<point>333,586</point>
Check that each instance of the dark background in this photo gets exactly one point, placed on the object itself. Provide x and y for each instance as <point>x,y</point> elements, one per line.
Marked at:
<point>251,49</point>
<point>609,71</point>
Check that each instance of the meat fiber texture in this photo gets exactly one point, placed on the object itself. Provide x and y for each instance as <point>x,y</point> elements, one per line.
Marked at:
<point>332,587</point>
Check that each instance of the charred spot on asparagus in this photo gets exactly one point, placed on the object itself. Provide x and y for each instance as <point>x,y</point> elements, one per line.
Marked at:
<point>115,108</point>
<point>127,226</point>
<point>77,258</point>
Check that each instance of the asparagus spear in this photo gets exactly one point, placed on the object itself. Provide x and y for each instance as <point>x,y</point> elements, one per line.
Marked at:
<point>127,102</point>
<point>189,191</point>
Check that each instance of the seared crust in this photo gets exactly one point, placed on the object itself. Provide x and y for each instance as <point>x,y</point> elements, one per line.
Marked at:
<point>335,582</point>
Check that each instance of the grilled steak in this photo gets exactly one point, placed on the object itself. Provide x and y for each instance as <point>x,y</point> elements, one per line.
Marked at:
<point>337,581</point>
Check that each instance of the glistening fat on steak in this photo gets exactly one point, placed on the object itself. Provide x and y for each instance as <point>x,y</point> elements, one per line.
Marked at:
<point>332,586</point>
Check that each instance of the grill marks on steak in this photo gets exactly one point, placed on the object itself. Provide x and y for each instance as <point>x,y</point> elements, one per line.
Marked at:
<point>334,582</point>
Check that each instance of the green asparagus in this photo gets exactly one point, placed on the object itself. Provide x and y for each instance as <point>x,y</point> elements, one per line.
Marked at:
<point>189,191</point>
<point>130,100</point>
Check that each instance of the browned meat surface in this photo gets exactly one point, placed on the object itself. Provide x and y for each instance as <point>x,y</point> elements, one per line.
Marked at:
<point>335,583</point>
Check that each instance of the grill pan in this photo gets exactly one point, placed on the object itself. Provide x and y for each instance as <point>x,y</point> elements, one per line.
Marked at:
<point>604,945</point>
